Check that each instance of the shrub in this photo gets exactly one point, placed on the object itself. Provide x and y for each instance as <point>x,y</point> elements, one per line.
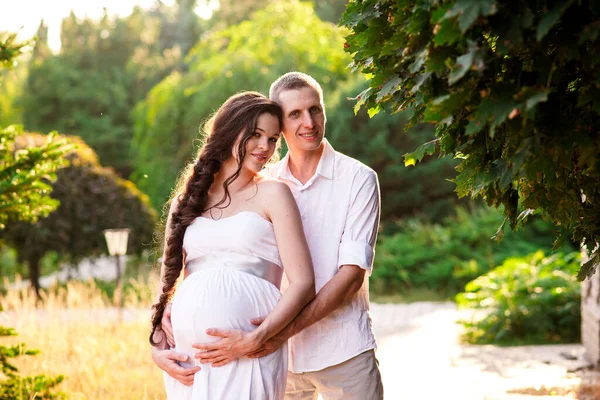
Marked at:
<point>533,299</point>
<point>444,257</point>
<point>28,387</point>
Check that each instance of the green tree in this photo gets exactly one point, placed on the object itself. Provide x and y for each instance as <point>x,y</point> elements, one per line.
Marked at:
<point>92,198</point>
<point>13,72</point>
<point>24,196</point>
<point>103,69</point>
<point>381,143</point>
<point>220,65</point>
<point>232,12</point>
<point>514,89</point>
<point>11,89</point>
<point>24,174</point>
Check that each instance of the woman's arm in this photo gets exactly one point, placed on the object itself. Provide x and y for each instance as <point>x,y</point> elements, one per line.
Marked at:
<point>295,257</point>
<point>281,208</point>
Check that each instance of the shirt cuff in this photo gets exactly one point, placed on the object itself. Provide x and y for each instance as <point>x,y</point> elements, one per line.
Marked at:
<point>356,253</point>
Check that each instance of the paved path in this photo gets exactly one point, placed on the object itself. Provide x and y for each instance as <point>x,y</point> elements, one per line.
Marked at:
<point>421,358</point>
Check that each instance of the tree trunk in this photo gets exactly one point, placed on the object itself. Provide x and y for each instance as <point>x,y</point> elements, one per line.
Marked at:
<point>118,296</point>
<point>34,273</point>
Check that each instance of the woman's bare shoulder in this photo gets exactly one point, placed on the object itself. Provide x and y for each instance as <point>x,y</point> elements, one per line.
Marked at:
<point>272,185</point>
<point>273,191</point>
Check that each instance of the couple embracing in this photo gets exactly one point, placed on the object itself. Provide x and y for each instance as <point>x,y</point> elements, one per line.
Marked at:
<point>243,234</point>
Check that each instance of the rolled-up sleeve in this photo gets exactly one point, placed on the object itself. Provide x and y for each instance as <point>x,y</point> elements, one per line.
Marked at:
<point>357,246</point>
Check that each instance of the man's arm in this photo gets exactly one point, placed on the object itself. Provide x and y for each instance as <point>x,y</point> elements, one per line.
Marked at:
<point>336,292</point>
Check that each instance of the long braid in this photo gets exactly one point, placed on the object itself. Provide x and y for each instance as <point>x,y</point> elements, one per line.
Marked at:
<point>190,205</point>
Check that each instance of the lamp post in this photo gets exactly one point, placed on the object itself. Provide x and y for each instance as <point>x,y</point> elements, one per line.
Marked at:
<point>116,241</point>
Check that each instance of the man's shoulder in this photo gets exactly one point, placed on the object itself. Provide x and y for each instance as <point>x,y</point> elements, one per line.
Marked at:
<point>346,164</point>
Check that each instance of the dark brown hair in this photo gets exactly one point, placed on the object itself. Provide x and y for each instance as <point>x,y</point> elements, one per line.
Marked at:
<point>238,114</point>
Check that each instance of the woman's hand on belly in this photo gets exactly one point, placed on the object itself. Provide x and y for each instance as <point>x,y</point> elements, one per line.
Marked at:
<point>234,344</point>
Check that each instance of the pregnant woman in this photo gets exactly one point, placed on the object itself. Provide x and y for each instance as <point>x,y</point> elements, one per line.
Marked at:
<point>234,232</point>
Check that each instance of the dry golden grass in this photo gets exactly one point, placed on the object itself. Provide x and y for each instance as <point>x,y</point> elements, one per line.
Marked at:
<point>79,335</point>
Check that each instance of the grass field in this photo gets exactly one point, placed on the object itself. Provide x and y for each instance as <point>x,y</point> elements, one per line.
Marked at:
<point>79,335</point>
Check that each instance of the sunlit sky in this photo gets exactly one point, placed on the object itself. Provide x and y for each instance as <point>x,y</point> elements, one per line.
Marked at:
<point>25,15</point>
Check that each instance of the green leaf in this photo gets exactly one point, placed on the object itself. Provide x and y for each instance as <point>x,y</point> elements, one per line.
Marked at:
<point>499,235</point>
<point>547,21</point>
<point>418,21</point>
<point>469,10</point>
<point>535,99</point>
<point>589,268</point>
<point>448,33</point>
<point>471,60</point>
<point>474,126</point>
<point>389,88</point>
<point>356,15</point>
<point>419,81</point>
<point>361,99</point>
<point>420,152</point>
<point>374,110</point>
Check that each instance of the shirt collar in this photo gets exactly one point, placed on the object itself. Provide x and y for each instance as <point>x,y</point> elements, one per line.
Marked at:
<point>324,168</point>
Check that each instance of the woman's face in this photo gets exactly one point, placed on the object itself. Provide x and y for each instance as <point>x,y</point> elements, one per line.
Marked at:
<point>261,145</point>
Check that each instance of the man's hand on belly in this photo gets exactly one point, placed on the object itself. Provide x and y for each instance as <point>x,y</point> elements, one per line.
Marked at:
<point>167,361</point>
<point>234,344</point>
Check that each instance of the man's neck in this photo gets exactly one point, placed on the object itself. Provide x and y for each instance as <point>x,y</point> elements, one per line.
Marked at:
<point>303,165</point>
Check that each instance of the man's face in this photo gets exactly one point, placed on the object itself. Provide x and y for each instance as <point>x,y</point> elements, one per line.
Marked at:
<point>303,119</point>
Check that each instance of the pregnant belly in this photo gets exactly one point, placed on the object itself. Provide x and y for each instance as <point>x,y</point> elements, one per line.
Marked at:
<point>218,298</point>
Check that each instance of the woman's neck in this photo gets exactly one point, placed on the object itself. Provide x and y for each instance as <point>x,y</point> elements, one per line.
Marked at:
<point>228,169</point>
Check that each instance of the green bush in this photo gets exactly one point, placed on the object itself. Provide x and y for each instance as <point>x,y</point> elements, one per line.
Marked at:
<point>533,299</point>
<point>444,257</point>
<point>14,386</point>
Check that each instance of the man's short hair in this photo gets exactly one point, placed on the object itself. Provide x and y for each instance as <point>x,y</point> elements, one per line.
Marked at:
<point>293,81</point>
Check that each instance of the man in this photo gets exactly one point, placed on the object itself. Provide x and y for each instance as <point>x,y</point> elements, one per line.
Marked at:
<point>331,342</point>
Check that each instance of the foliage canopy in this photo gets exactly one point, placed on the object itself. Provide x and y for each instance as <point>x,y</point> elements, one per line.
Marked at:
<point>24,174</point>
<point>514,89</point>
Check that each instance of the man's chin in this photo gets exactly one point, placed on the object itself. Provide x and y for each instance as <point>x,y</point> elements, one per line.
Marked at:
<point>310,145</point>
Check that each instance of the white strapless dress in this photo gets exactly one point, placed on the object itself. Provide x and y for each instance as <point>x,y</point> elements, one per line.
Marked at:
<point>234,273</point>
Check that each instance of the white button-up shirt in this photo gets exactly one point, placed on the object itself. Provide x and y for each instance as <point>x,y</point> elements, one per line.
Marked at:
<point>339,206</point>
